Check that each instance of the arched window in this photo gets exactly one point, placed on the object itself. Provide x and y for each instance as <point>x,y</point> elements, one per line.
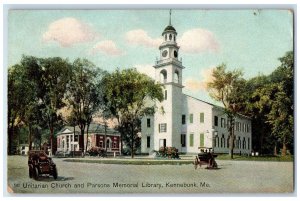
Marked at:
<point>163,76</point>
<point>170,37</point>
<point>166,37</point>
<point>174,38</point>
<point>176,77</point>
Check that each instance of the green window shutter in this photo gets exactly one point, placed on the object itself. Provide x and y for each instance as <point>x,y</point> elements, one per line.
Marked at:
<point>191,140</point>
<point>191,118</point>
<point>201,117</point>
<point>201,139</point>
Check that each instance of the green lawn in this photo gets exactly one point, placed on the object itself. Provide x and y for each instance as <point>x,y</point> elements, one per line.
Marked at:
<point>256,158</point>
<point>143,161</point>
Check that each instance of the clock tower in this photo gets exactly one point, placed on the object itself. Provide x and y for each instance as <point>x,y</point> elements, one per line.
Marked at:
<point>168,72</point>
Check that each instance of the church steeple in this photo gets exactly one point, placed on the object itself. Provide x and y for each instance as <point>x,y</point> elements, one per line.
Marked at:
<point>168,65</point>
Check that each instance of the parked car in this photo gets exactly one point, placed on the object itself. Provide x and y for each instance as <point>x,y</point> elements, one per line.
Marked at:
<point>40,164</point>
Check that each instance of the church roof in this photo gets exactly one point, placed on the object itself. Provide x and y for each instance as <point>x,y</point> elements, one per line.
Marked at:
<point>215,106</point>
<point>93,128</point>
<point>169,28</point>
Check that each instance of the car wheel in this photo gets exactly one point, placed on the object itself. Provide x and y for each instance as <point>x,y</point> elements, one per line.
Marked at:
<point>54,173</point>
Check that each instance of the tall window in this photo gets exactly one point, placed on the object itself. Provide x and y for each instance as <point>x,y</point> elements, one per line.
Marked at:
<point>148,123</point>
<point>191,140</point>
<point>244,143</point>
<point>176,77</point>
<point>223,141</point>
<point>183,140</point>
<point>166,94</point>
<point>248,143</point>
<point>183,119</point>
<point>163,76</point>
<point>148,141</point>
<point>201,117</point>
<point>217,141</point>
<point>223,125</point>
<point>191,118</point>
<point>68,142</point>
<point>216,121</point>
<point>201,139</point>
<point>162,128</point>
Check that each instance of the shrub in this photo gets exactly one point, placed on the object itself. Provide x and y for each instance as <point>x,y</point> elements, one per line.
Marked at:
<point>168,152</point>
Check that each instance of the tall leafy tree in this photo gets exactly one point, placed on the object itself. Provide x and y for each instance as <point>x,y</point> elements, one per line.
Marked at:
<point>227,87</point>
<point>21,93</point>
<point>51,75</point>
<point>126,94</point>
<point>84,95</point>
<point>278,97</point>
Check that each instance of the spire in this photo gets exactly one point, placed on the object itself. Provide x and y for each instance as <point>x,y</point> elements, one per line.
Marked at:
<point>170,17</point>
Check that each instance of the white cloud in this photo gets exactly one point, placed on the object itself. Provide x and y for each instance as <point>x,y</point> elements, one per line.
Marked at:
<point>69,31</point>
<point>146,69</point>
<point>198,41</point>
<point>192,41</point>
<point>197,84</point>
<point>107,47</point>
<point>141,37</point>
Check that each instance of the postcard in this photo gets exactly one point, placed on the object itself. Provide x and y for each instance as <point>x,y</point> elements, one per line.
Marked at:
<point>150,101</point>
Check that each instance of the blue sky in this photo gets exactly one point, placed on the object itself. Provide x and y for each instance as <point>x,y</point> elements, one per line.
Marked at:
<point>252,40</point>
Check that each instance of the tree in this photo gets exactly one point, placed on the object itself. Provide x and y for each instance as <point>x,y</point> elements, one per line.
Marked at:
<point>84,95</point>
<point>227,87</point>
<point>21,92</point>
<point>51,76</point>
<point>278,96</point>
<point>126,94</point>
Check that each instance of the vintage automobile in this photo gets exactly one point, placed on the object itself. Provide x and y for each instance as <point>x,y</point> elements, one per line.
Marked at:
<point>40,164</point>
<point>206,157</point>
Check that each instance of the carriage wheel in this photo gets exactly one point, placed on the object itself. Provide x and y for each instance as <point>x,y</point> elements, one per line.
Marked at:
<point>215,165</point>
<point>36,173</point>
<point>30,172</point>
<point>196,163</point>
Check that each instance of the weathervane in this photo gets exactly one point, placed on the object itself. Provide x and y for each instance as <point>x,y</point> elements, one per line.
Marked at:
<point>170,17</point>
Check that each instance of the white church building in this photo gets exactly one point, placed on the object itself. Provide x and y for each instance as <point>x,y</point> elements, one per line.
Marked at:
<point>185,122</point>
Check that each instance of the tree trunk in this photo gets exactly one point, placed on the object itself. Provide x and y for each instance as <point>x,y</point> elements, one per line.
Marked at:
<point>51,140</point>
<point>81,140</point>
<point>275,150</point>
<point>30,138</point>
<point>87,137</point>
<point>132,139</point>
<point>231,139</point>
<point>283,152</point>
<point>73,140</point>
<point>10,138</point>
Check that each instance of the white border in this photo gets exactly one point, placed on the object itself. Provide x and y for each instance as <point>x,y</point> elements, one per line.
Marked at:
<point>133,4</point>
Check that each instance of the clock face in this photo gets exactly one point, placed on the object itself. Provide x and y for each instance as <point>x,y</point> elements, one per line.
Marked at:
<point>164,53</point>
<point>175,54</point>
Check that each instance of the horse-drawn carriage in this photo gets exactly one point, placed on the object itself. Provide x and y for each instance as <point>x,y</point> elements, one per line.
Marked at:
<point>206,157</point>
<point>40,164</point>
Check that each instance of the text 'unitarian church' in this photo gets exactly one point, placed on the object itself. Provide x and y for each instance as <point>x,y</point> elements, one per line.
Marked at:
<point>187,123</point>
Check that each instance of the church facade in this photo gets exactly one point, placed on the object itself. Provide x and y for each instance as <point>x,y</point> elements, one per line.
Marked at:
<point>185,122</point>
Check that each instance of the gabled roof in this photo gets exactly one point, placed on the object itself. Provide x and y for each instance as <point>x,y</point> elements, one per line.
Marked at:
<point>215,106</point>
<point>93,128</point>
